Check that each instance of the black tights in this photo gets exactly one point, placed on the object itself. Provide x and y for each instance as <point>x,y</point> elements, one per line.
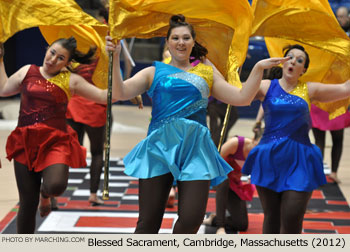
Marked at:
<point>228,199</point>
<point>337,144</point>
<point>54,182</point>
<point>153,195</point>
<point>96,136</point>
<point>284,211</point>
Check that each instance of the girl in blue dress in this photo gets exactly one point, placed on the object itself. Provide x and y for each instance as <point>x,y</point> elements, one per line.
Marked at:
<point>285,166</point>
<point>178,147</point>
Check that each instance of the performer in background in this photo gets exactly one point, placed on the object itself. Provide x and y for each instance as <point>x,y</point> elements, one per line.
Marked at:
<point>88,116</point>
<point>232,194</point>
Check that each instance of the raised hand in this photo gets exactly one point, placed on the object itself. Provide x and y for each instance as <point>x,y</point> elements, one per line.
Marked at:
<point>271,62</point>
<point>111,46</point>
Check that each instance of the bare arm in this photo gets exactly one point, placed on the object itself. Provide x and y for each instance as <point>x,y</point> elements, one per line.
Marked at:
<point>79,86</point>
<point>260,114</point>
<point>242,97</point>
<point>229,147</point>
<point>258,119</point>
<point>328,92</point>
<point>11,86</point>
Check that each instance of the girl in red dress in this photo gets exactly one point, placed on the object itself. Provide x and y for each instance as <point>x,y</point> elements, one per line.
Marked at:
<point>43,146</point>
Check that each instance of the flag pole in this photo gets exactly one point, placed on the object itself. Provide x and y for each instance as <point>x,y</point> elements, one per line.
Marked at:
<point>227,116</point>
<point>105,195</point>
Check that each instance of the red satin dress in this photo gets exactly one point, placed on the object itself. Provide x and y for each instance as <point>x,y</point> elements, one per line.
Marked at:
<point>85,111</point>
<point>42,137</point>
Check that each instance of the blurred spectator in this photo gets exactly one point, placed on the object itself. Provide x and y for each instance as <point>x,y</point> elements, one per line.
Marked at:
<point>91,7</point>
<point>342,15</point>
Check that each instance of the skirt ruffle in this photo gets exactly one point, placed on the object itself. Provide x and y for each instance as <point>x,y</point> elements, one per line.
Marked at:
<point>38,146</point>
<point>285,165</point>
<point>182,147</point>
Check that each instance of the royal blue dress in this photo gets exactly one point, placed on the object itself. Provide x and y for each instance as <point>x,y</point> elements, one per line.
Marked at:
<point>285,159</point>
<point>178,140</point>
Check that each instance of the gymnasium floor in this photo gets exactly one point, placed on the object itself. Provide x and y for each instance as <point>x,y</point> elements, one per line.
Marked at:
<point>129,127</point>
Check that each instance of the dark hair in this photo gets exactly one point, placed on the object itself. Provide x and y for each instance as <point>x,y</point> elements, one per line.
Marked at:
<point>273,73</point>
<point>70,44</point>
<point>198,51</point>
<point>277,72</point>
<point>287,49</point>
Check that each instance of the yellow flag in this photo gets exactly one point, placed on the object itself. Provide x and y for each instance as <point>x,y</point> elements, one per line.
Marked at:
<point>57,19</point>
<point>17,15</point>
<point>313,25</point>
<point>86,37</point>
<point>222,26</point>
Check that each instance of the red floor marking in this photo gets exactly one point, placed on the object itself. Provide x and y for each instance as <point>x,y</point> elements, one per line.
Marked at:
<point>337,202</point>
<point>327,225</point>
<point>317,194</point>
<point>132,191</point>
<point>127,207</point>
<point>120,222</point>
<point>135,207</point>
<point>63,199</point>
<point>329,215</point>
<point>7,219</point>
<point>85,205</point>
<point>211,206</point>
<point>255,222</point>
<point>343,230</point>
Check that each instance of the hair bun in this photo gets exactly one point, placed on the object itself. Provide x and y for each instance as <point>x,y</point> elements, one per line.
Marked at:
<point>72,40</point>
<point>175,19</point>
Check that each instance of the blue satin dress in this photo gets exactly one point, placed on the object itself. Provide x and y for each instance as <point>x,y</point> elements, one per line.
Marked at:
<point>178,140</point>
<point>285,159</point>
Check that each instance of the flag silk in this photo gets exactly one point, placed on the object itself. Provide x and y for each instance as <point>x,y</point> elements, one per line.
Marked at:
<point>17,15</point>
<point>222,26</point>
<point>313,25</point>
<point>86,36</point>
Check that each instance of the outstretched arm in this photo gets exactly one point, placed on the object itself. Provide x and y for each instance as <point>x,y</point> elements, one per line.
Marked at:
<point>328,92</point>
<point>244,96</point>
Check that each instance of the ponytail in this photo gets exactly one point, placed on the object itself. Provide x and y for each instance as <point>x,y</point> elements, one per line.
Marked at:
<point>198,52</point>
<point>70,44</point>
<point>274,73</point>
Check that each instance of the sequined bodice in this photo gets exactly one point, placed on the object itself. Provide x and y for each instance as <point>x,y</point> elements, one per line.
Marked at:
<point>43,100</point>
<point>286,114</point>
<point>179,94</point>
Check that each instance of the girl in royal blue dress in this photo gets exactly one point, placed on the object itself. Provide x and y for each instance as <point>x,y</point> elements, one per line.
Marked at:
<point>285,166</point>
<point>178,147</point>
